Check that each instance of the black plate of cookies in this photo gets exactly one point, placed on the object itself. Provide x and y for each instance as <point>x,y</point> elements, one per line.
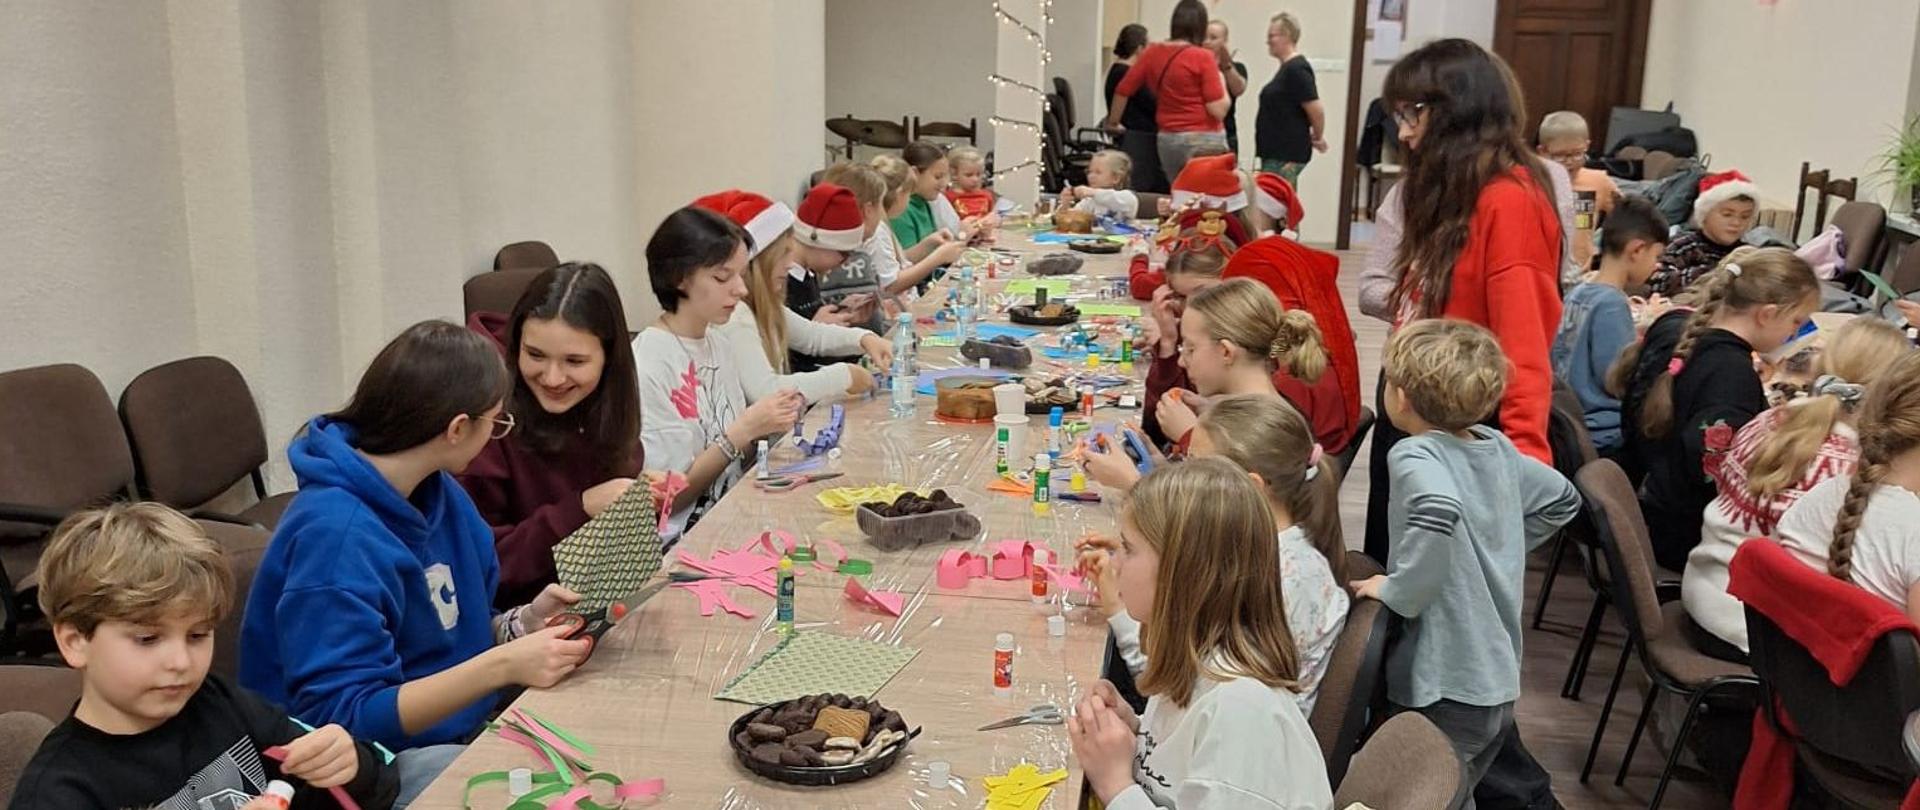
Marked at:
<point>820,740</point>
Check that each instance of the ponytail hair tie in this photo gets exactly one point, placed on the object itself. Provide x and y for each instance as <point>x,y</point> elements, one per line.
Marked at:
<point>1674,366</point>
<point>1279,348</point>
<point>1313,461</point>
<point>1733,269</point>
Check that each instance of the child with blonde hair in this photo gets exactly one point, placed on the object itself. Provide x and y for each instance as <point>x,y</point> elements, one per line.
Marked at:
<point>135,593</point>
<point>1467,507</point>
<point>900,270</point>
<point>1105,193</point>
<point>1689,385</point>
<point>1865,528</point>
<point>972,201</point>
<point>1234,338</point>
<point>1775,459</point>
<point>1222,726</point>
<point>1269,439</point>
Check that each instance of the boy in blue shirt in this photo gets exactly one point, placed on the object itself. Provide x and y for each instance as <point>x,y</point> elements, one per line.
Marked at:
<point>1596,321</point>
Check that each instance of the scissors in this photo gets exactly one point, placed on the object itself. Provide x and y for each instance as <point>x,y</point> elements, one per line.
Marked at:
<point>594,624</point>
<point>1045,714</point>
<point>785,483</point>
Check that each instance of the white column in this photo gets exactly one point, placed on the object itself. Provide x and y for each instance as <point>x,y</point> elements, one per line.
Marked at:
<point>1019,59</point>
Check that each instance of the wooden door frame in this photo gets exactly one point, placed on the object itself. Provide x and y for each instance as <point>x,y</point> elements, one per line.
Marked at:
<point>1350,146</point>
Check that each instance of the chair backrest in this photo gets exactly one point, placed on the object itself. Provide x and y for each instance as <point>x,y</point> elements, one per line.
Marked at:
<point>1149,204</point>
<point>1360,566</point>
<point>48,690</point>
<point>1622,531</point>
<point>1352,451</point>
<point>1352,684</point>
<point>244,547</point>
<point>969,131</point>
<point>885,134</point>
<point>194,428</point>
<point>1861,224</point>
<point>1407,763</point>
<point>497,291</point>
<point>1905,275</point>
<point>62,446</point>
<point>1064,89</point>
<point>1567,434</point>
<point>525,254</point>
<point>20,736</point>
<point>1862,723</point>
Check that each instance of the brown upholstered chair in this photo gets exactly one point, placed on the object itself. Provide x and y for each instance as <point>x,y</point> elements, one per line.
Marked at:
<point>1862,226</point>
<point>1654,630</point>
<point>1572,449</point>
<point>45,688</point>
<point>1823,185</point>
<point>1350,689</point>
<point>499,290</point>
<point>525,254</point>
<point>61,449</point>
<point>244,546</point>
<point>196,432</point>
<point>1407,764</point>
<point>1149,204</point>
<point>1344,461</point>
<point>20,736</point>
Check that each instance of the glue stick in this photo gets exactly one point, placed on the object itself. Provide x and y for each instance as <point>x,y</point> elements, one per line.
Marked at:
<point>1042,489</point>
<point>763,473</point>
<point>1054,433</point>
<point>783,607</point>
<point>1003,664</point>
<point>1041,556</point>
<point>1001,440</point>
<point>279,794</point>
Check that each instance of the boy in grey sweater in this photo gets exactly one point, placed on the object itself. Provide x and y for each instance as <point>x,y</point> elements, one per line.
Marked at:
<point>1466,509</point>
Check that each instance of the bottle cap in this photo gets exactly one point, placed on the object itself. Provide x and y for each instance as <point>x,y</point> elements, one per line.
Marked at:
<point>939,774</point>
<point>280,789</point>
<point>1041,462</point>
<point>786,564</point>
<point>984,364</point>
<point>1056,625</point>
<point>1004,641</point>
<point>1054,415</point>
<point>519,782</point>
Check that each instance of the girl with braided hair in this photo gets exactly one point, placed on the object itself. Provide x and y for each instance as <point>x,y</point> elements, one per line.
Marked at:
<point>1865,528</point>
<point>1690,383</point>
<point>1775,460</point>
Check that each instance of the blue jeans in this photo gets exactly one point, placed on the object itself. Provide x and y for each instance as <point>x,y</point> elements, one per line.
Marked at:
<point>418,768</point>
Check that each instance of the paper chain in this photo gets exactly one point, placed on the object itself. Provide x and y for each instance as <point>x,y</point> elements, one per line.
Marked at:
<point>1011,559</point>
<point>570,771</point>
<point>829,436</point>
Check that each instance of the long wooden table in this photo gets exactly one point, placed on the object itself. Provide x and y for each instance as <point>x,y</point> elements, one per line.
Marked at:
<point>645,700</point>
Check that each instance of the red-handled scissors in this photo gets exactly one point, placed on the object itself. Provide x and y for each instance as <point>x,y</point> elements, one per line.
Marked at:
<point>594,624</point>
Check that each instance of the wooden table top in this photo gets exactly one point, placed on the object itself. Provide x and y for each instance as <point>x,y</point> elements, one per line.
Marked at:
<point>646,701</point>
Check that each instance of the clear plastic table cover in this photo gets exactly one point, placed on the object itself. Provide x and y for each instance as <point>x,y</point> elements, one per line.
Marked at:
<point>645,699</point>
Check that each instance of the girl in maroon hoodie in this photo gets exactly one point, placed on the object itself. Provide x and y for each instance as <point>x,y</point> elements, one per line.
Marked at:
<point>577,403</point>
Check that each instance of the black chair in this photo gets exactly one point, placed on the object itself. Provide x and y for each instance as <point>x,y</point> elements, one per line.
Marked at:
<point>1093,137</point>
<point>1071,156</point>
<point>1654,633</point>
<point>1848,738</point>
<point>1344,461</point>
<point>1572,449</point>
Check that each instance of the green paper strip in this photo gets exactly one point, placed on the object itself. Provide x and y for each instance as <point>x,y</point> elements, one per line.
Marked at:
<point>801,554</point>
<point>1055,287</point>
<point>856,567</point>
<point>1092,308</point>
<point>939,340</point>
<point>1881,285</point>
<point>548,778</point>
<point>570,739</point>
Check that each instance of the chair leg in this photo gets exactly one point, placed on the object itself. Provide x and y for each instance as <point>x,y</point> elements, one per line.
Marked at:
<point>1606,711</point>
<point>1679,744</point>
<point>1546,583</point>
<point>1583,652</point>
<point>1633,743</point>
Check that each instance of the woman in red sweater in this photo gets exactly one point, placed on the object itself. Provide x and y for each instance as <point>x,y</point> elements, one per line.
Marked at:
<point>577,406</point>
<point>1482,236</point>
<point>1186,83</point>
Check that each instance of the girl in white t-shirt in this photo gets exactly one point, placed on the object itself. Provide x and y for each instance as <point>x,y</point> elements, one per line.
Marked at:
<point>899,273</point>
<point>696,416</point>
<point>1222,728</point>
<point>1866,528</point>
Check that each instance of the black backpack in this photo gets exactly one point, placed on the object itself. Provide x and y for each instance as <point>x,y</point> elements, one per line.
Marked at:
<point>1677,141</point>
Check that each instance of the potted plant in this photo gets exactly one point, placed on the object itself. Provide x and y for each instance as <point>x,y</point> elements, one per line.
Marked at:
<point>1901,162</point>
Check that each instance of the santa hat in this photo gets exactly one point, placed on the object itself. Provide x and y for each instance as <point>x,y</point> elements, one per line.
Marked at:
<point>1723,187</point>
<point>762,218</point>
<point>1273,195</point>
<point>830,218</point>
<point>1212,181</point>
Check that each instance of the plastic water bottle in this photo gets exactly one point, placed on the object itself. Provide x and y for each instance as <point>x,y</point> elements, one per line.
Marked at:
<point>966,303</point>
<point>903,375</point>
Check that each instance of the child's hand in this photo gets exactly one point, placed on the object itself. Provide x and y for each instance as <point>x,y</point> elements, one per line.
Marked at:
<point>859,380</point>
<point>1105,691</point>
<point>877,349</point>
<point>1368,588</point>
<point>1166,320</point>
<point>540,659</point>
<point>1107,465</point>
<point>1103,743</point>
<point>1098,566</point>
<point>1066,196</point>
<point>833,315</point>
<point>1163,207</point>
<point>1176,416</point>
<point>553,600</point>
<point>324,757</point>
<point>598,497</point>
<point>770,415</point>
<point>948,252</point>
<point>1909,310</point>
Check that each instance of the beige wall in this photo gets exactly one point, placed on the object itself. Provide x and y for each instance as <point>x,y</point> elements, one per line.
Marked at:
<point>1326,33</point>
<point>287,184</point>
<point>1428,20</point>
<point>891,59</point>
<point>1768,86</point>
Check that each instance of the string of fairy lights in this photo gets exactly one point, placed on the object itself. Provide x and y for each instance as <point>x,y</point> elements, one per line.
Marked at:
<point>1001,123</point>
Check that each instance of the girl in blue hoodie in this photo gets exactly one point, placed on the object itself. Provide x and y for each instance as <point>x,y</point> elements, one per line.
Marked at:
<point>373,605</point>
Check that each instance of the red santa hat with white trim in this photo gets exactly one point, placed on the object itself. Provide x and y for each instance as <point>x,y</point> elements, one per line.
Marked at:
<point>1212,182</point>
<point>762,218</point>
<point>830,218</point>
<point>1720,188</point>
<point>1275,197</point>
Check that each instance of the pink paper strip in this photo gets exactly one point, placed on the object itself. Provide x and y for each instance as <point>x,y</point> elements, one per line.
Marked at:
<point>951,573</point>
<point>1067,579</point>
<point>571,799</point>
<point>1013,559</point>
<point>643,789</point>
<point>888,601</point>
<point>545,735</point>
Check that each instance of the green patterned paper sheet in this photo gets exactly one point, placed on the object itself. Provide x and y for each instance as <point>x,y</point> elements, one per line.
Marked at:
<point>808,663</point>
<point>1101,308</point>
<point>614,554</point>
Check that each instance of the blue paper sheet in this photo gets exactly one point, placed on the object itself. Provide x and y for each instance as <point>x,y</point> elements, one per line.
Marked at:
<point>989,331</point>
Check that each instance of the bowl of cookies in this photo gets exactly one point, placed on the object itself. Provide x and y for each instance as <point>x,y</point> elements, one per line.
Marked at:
<point>1052,313</point>
<point>819,740</point>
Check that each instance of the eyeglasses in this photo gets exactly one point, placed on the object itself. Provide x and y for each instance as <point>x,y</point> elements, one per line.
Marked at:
<point>1408,115</point>
<point>1568,156</point>
<point>502,424</point>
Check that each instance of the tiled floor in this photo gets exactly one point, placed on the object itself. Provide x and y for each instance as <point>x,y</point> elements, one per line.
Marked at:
<point>1556,730</point>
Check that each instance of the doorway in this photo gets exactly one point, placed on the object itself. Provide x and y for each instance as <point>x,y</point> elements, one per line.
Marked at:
<point>1587,56</point>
